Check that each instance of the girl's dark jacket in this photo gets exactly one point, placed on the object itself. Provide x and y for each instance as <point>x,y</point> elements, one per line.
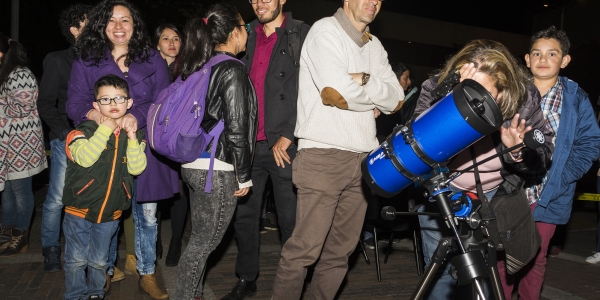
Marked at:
<point>231,97</point>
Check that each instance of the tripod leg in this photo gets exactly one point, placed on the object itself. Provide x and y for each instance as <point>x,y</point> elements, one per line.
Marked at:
<point>418,251</point>
<point>436,261</point>
<point>492,262</point>
<point>364,252</point>
<point>378,267</point>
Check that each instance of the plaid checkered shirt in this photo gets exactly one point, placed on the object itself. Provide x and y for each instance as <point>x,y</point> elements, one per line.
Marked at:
<point>551,107</point>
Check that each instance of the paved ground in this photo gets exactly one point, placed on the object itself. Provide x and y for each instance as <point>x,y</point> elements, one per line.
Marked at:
<point>568,276</point>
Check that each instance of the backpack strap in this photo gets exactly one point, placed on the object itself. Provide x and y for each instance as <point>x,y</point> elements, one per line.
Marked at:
<point>215,133</point>
<point>294,42</point>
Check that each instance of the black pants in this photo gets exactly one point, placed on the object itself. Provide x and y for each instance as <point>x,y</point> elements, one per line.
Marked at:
<point>247,218</point>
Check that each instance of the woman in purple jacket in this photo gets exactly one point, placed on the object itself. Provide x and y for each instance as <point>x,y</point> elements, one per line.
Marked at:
<point>116,42</point>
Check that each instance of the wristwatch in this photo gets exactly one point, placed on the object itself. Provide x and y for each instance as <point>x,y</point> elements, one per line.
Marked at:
<point>365,78</point>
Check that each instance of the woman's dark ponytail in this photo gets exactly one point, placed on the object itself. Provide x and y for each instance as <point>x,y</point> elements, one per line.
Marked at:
<point>203,34</point>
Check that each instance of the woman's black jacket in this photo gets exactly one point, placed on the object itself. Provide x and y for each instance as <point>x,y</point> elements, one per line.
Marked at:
<point>231,97</point>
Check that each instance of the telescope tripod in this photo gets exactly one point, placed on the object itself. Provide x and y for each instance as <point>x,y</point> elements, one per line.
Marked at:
<point>477,255</point>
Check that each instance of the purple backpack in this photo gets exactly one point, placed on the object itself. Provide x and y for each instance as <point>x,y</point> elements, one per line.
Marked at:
<point>174,119</point>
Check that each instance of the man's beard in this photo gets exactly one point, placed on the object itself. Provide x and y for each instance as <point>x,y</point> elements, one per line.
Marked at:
<point>274,15</point>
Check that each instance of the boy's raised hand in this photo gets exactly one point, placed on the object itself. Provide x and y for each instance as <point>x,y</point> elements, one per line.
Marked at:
<point>131,129</point>
<point>110,123</point>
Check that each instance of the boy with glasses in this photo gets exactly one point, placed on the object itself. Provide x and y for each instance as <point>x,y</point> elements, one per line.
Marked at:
<point>103,158</point>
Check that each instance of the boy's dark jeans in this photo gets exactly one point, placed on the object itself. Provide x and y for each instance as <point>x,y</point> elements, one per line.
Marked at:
<point>86,246</point>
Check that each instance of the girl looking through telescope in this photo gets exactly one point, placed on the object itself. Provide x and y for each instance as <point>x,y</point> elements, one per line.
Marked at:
<point>490,64</point>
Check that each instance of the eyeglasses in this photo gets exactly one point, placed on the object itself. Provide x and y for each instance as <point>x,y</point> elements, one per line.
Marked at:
<point>246,26</point>
<point>117,100</point>
<point>256,1</point>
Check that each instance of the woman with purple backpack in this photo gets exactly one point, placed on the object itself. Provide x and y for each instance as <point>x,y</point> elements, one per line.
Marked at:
<point>230,97</point>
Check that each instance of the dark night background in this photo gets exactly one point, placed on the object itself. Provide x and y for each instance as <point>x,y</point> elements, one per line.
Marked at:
<point>39,30</point>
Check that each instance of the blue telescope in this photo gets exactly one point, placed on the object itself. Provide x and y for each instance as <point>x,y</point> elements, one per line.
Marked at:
<point>455,122</point>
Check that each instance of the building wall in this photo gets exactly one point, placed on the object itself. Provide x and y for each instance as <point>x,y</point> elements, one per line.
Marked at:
<point>423,43</point>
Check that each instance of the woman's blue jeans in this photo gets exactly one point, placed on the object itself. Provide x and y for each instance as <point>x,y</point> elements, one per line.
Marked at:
<point>17,203</point>
<point>145,226</point>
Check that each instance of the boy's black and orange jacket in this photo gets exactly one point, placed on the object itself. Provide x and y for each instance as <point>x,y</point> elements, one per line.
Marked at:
<point>100,170</point>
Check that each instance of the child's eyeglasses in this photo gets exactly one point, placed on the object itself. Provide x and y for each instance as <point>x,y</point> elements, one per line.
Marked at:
<point>246,26</point>
<point>117,100</point>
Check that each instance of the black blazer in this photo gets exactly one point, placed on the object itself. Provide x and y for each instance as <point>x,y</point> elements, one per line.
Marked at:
<point>281,92</point>
<point>53,91</point>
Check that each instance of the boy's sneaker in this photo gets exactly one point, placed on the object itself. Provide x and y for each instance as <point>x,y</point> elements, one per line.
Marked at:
<point>94,297</point>
<point>369,243</point>
<point>554,251</point>
<point>593,259</point>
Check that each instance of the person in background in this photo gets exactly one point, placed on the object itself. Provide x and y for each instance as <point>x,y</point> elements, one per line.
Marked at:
<point>51,105</point>
<point>168,41</point>
<point>22,152</point>
<point>104,189</point>
<point>230,96</point>
<point>385,125</point>
<point>490,64</point>
<point>569,113</point>
<point>274,74</point>
<point>116,42</point>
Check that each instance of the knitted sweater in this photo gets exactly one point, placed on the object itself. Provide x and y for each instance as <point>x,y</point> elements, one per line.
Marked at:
<point>333,110</point>
<point>22,152</point>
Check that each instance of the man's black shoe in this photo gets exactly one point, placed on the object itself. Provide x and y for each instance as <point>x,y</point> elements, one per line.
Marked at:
<point>242,289</point>
<point>52,259</point>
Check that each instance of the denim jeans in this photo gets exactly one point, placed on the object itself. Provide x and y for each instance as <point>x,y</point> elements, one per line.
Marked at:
<point>17,203</point>
<point>210,214</point>
<point>443,286</point>
<point>247,218</point>
<point>86,246</point>
<point>145,226</point>
<point>53,205</point>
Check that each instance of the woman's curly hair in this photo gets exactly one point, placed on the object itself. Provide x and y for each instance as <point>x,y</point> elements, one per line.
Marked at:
<point>92,43</point>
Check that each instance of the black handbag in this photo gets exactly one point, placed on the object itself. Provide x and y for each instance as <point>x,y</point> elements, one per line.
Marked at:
<point>510,224</point>
<point>512,228</point>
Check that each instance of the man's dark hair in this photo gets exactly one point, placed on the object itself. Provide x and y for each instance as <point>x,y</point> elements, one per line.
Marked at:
<point>111,80</point>
<point>72,16</point>
<point>552,33</point>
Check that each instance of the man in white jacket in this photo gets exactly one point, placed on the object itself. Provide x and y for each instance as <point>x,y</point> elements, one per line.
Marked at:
<point>345,81</point>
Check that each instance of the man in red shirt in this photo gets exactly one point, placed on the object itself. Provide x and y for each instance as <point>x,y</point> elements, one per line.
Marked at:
<point>272,58</point>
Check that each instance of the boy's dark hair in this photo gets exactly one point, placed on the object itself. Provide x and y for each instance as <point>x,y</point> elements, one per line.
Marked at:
<point>552,33</point>
<point>72,16</point>
<point>111,80</point>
